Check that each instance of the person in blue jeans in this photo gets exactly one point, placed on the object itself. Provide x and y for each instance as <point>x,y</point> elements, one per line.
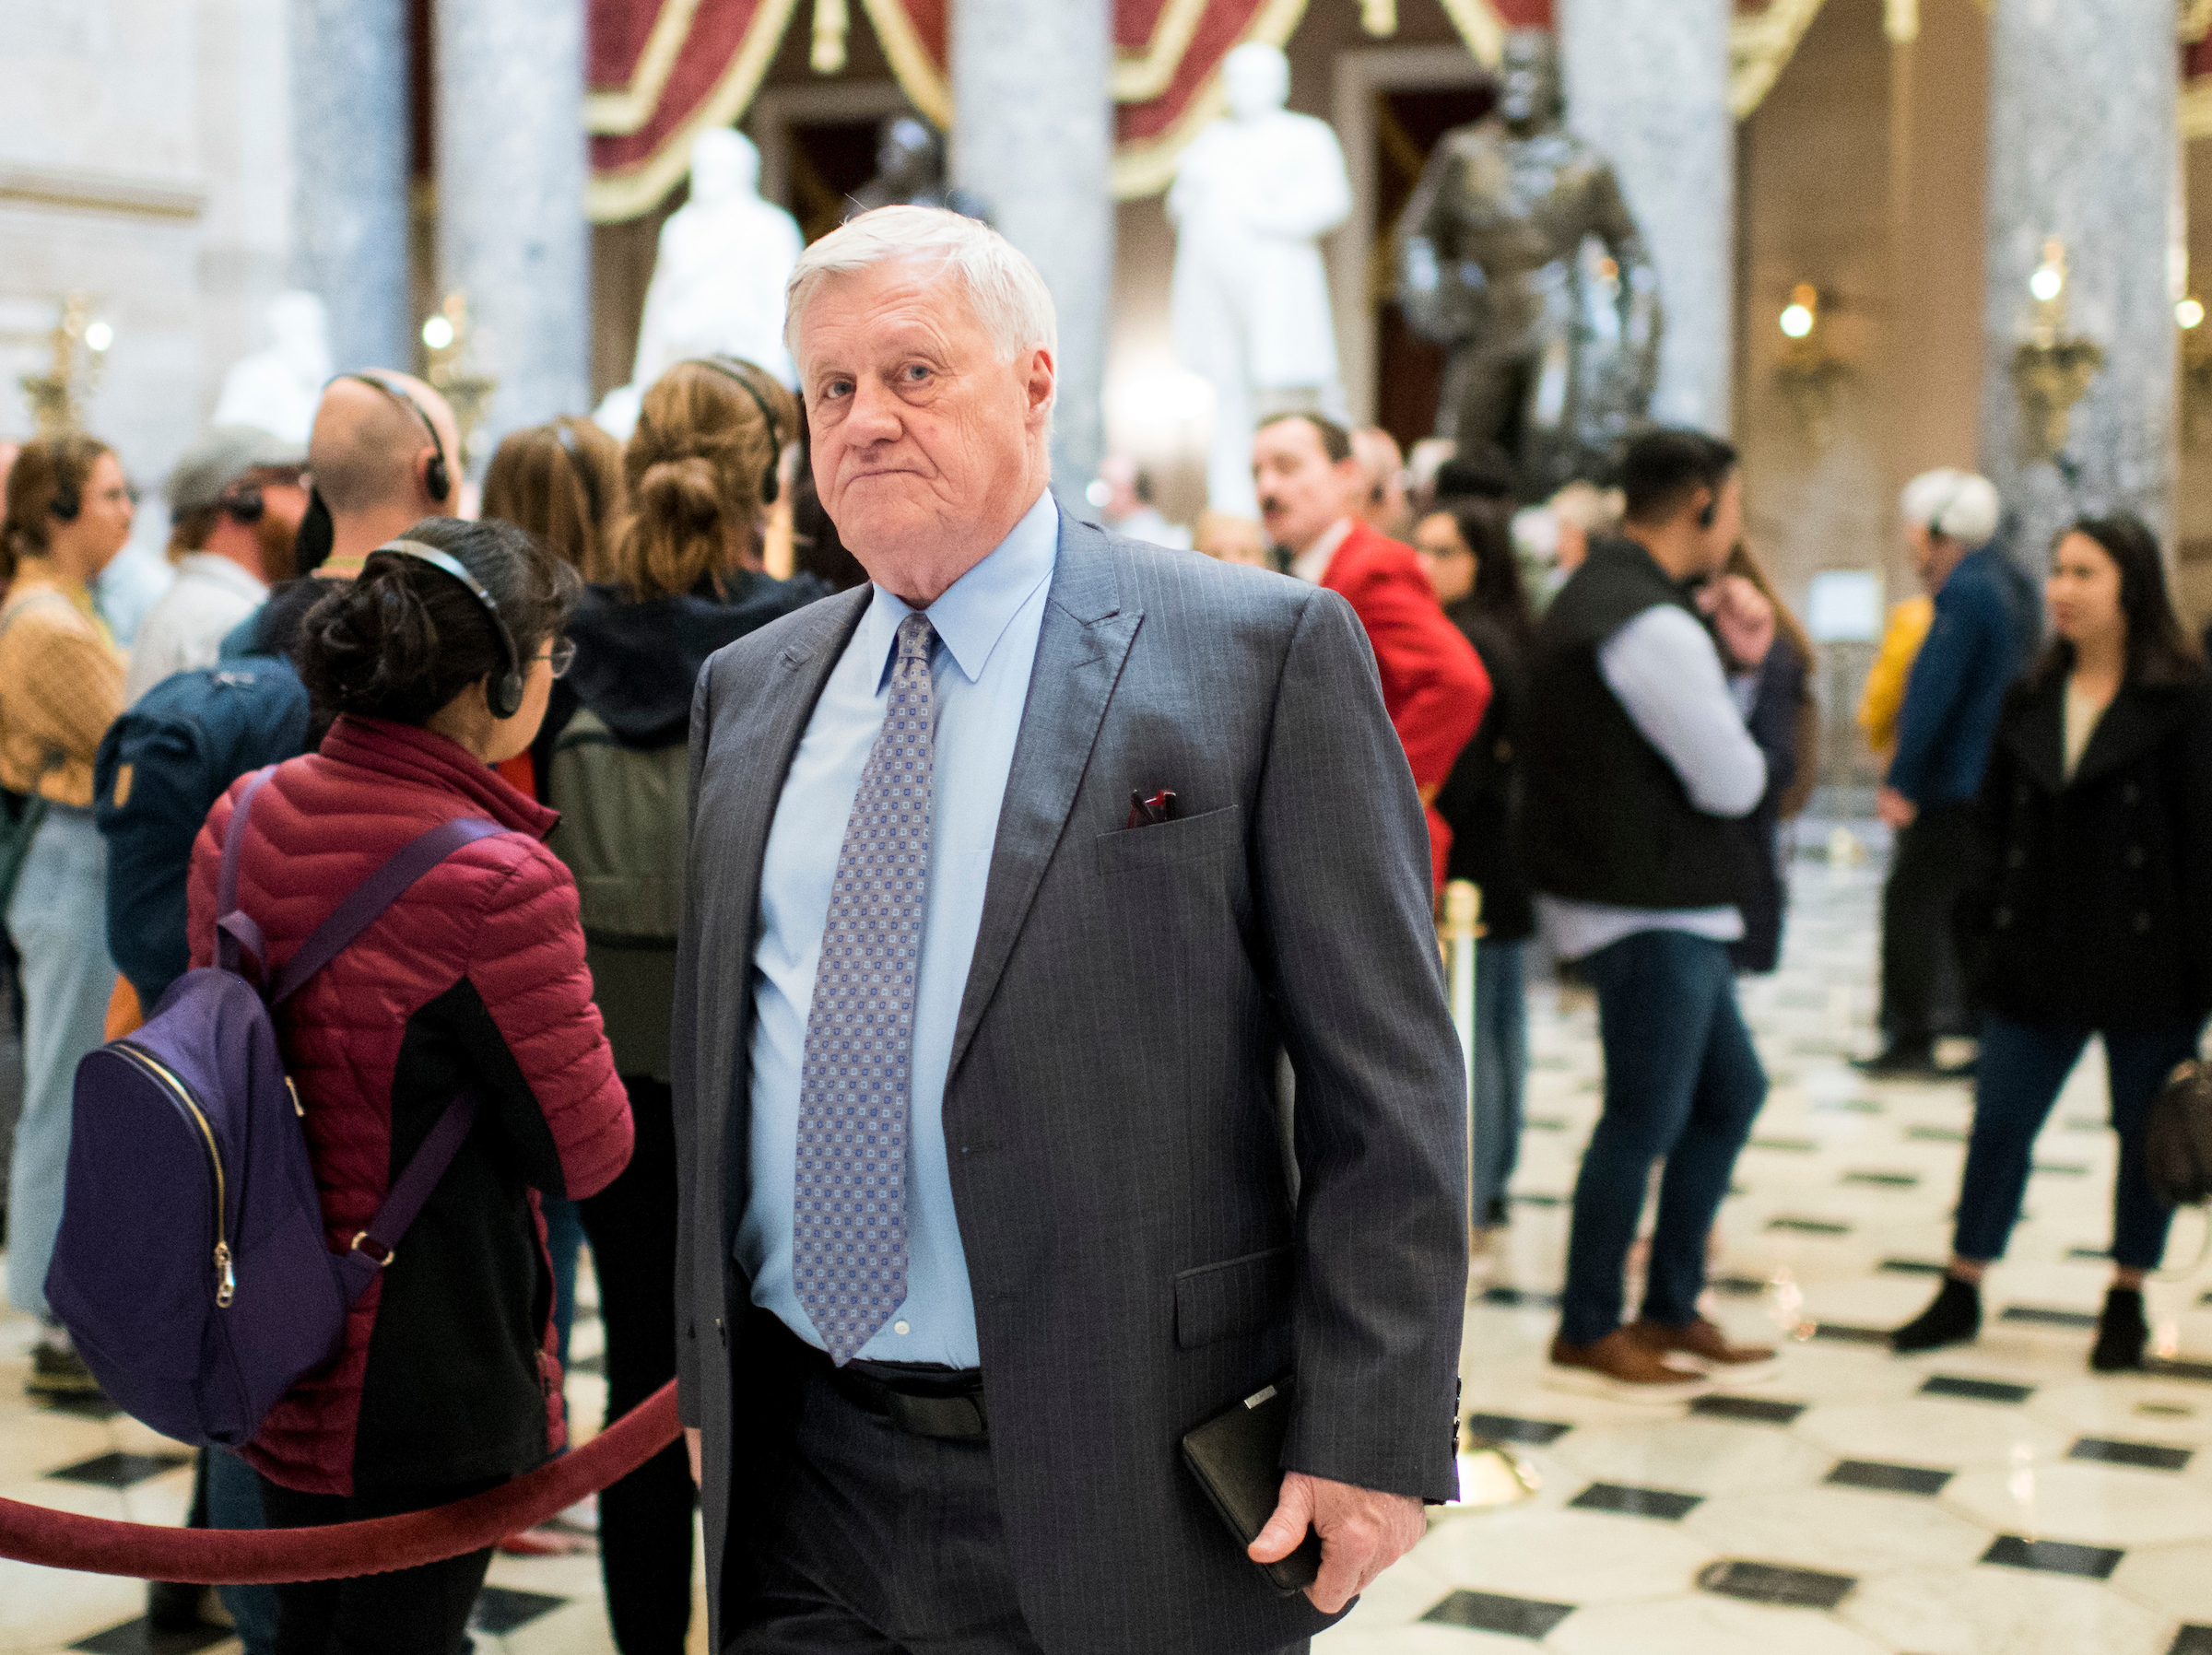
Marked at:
<point>2090,912</point>
<point>1641,772</point>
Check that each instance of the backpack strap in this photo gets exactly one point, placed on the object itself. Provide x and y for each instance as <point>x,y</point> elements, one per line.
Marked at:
<point>358,1265</point>
<point>234,932</point>
<point>372,895</point>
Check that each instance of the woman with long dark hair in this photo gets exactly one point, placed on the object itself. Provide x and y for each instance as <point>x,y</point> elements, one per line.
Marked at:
<point>1466,546</point>
<point>2092,913</point>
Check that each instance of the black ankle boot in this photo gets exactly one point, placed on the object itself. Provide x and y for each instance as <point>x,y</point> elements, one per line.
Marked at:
<point>2120,1332</point>
<point>1953,1319</point>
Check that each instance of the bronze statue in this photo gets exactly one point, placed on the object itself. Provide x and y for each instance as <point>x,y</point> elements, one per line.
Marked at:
<point>1518,252</point>
<point>910,172</point>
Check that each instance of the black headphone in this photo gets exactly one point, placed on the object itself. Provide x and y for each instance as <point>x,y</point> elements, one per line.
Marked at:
<point>770,485</point>
<point>565,434</point>
<point>504,692</point>
<point>242,504</point>
<point>436,476</point>
<point>1712,505</point>
<point>66,504</point>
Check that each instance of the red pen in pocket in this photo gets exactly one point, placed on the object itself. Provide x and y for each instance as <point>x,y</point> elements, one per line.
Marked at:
<point>1151,812</point>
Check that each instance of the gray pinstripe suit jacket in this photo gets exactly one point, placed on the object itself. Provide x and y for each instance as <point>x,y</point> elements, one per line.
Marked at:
<point>1137,1260</point>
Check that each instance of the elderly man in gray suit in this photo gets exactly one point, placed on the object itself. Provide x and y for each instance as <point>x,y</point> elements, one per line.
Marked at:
<point>1011,873</point>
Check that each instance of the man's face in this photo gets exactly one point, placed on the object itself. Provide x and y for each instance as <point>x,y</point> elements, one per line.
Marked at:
<point>283,504</point>
<point>1300,492</point>
<point>921,436</point>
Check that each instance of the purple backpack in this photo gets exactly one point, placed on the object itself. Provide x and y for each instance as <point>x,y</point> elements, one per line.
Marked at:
<point>190,1269</point>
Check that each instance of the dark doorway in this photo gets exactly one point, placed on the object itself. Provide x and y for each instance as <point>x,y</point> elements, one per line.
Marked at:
<point>1409,372</point>
<point>829,159</point>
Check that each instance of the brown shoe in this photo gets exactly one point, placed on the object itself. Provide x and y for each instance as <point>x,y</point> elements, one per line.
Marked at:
<point>1706,1348</point>
<point>1620,1367</point>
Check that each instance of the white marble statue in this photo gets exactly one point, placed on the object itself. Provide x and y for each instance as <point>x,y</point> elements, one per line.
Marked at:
<point>1250,304</point>
<point>277,388</point>
<point>718,278</point>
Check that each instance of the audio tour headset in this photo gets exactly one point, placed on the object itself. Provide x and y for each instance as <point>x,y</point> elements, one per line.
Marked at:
<point>770,485</point>
<point>503,691</point>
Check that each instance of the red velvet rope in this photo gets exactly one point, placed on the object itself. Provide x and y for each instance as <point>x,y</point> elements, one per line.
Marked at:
<point>252,1557</point>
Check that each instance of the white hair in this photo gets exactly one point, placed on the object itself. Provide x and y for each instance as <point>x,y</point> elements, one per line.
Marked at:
<point>1959,504</point>
<point>1002,287</point>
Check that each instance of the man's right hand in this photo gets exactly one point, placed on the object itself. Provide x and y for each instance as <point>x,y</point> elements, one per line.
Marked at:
<point>1894,808</point>
<point>1744,618</point>
<point>698,1477</point>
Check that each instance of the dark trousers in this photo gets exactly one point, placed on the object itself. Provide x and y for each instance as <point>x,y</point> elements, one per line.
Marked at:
<point>644,1520</point>
<point>1682,1083</point>
<point>1922,993</point>
<point>884,1543</point>
<point>407,1612</point>
<point>2015,1082</point>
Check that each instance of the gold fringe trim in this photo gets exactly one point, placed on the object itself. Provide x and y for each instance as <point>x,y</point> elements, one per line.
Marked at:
<point>610,197</point>
<point>618,114</point>
<point>916,72</point>
<point>1760,48</point>
<point>1140,77</point>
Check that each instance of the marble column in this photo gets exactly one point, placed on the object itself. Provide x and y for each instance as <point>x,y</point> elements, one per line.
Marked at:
<point>511,233</point>
<point>1034,136</point>
<point>1647,84</point>
<point>2083,148</point>
<point>350,145</point>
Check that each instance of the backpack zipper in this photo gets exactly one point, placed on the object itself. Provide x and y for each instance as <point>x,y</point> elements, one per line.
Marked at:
<point>226,1280</point>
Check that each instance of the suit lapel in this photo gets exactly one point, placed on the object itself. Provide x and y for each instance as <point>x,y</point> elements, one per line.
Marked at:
<point>1081,645</point>
<point>760,738</point>
<point>2037,736</point>
<point>2138,720</point>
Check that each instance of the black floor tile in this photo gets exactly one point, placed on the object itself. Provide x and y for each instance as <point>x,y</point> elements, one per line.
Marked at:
<point>2166,1370</point>
<point>81,1407</point>
<point>1507,1427</point>
<point>1738,1286</point>
<point>1751,1410</point>
<point>1977,1390</point>
<point>2050,1319</point>
<point>119,1471</point>
<point>1886,1180</point>
<point>1936,1134</point>
<point>1836,1332</point>
<point>1914,1266</point>
<point>1519,1298</point>
<point>2062,1168</point>
<point>2053,1556</point>
<point>1537,1201</point>
<point>1890,1479</point>
<point>500,1609</point>
<point>1809,1227</point>
<point>2151,1456</point>
<point>588,1364</point>
<point>2163,1410</point>
<point>2086,1255</point>
<point>1778,1583</point>
<point>1847,1106</point>
<point>2085,1124</point>
<point>1510,1617</point>
<point>1545,1123</point>
<point>140,1638</point>
<point>1662,1503</point>
<point>2191,1640</point>
<point>1788,1145</point>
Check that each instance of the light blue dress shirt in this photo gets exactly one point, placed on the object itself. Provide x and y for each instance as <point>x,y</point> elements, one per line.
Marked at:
<point>987,625</point>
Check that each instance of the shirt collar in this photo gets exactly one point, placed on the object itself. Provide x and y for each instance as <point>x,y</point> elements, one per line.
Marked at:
<point>1313,564</point>
<point>974,612</point>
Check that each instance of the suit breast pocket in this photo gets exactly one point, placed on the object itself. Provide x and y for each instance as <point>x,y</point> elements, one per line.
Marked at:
<point>1194,838</point>
<point>1236,1296</point>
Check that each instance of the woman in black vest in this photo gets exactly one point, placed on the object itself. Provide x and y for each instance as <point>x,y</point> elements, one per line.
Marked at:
<point>1467,546</point>
<point>2093,913</point>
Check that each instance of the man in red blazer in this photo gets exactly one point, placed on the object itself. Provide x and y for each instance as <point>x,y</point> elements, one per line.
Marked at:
<point>1433,685</point>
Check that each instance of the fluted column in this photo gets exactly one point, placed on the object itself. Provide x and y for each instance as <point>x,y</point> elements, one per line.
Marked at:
<point>2105,188</point>
<point>511,233</point>
<point>1647,83</point>
<point>1034,137</point>
<point>351,136</point>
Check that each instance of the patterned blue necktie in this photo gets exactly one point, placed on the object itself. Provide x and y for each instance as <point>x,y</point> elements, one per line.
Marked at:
<point>856,1085</point>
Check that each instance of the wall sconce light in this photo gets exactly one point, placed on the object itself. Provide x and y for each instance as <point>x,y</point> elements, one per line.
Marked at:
<point>2197,368</point>
<point>2052,368</point>
<point>445,340</point>
<point>80,346</point>
<point>1808,371</point>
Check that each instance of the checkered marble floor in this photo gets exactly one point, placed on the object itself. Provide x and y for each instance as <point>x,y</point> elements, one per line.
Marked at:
<point>1992,1501</point>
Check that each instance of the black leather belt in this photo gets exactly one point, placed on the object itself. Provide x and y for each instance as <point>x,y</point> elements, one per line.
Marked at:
<point>946,1403</point>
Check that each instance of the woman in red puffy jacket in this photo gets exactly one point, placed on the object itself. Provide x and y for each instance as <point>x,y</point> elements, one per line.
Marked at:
<point>438,661</point>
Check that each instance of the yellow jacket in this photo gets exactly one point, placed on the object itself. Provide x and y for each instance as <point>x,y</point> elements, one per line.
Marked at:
<point>1885,693</point>
<point>61,686</point>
